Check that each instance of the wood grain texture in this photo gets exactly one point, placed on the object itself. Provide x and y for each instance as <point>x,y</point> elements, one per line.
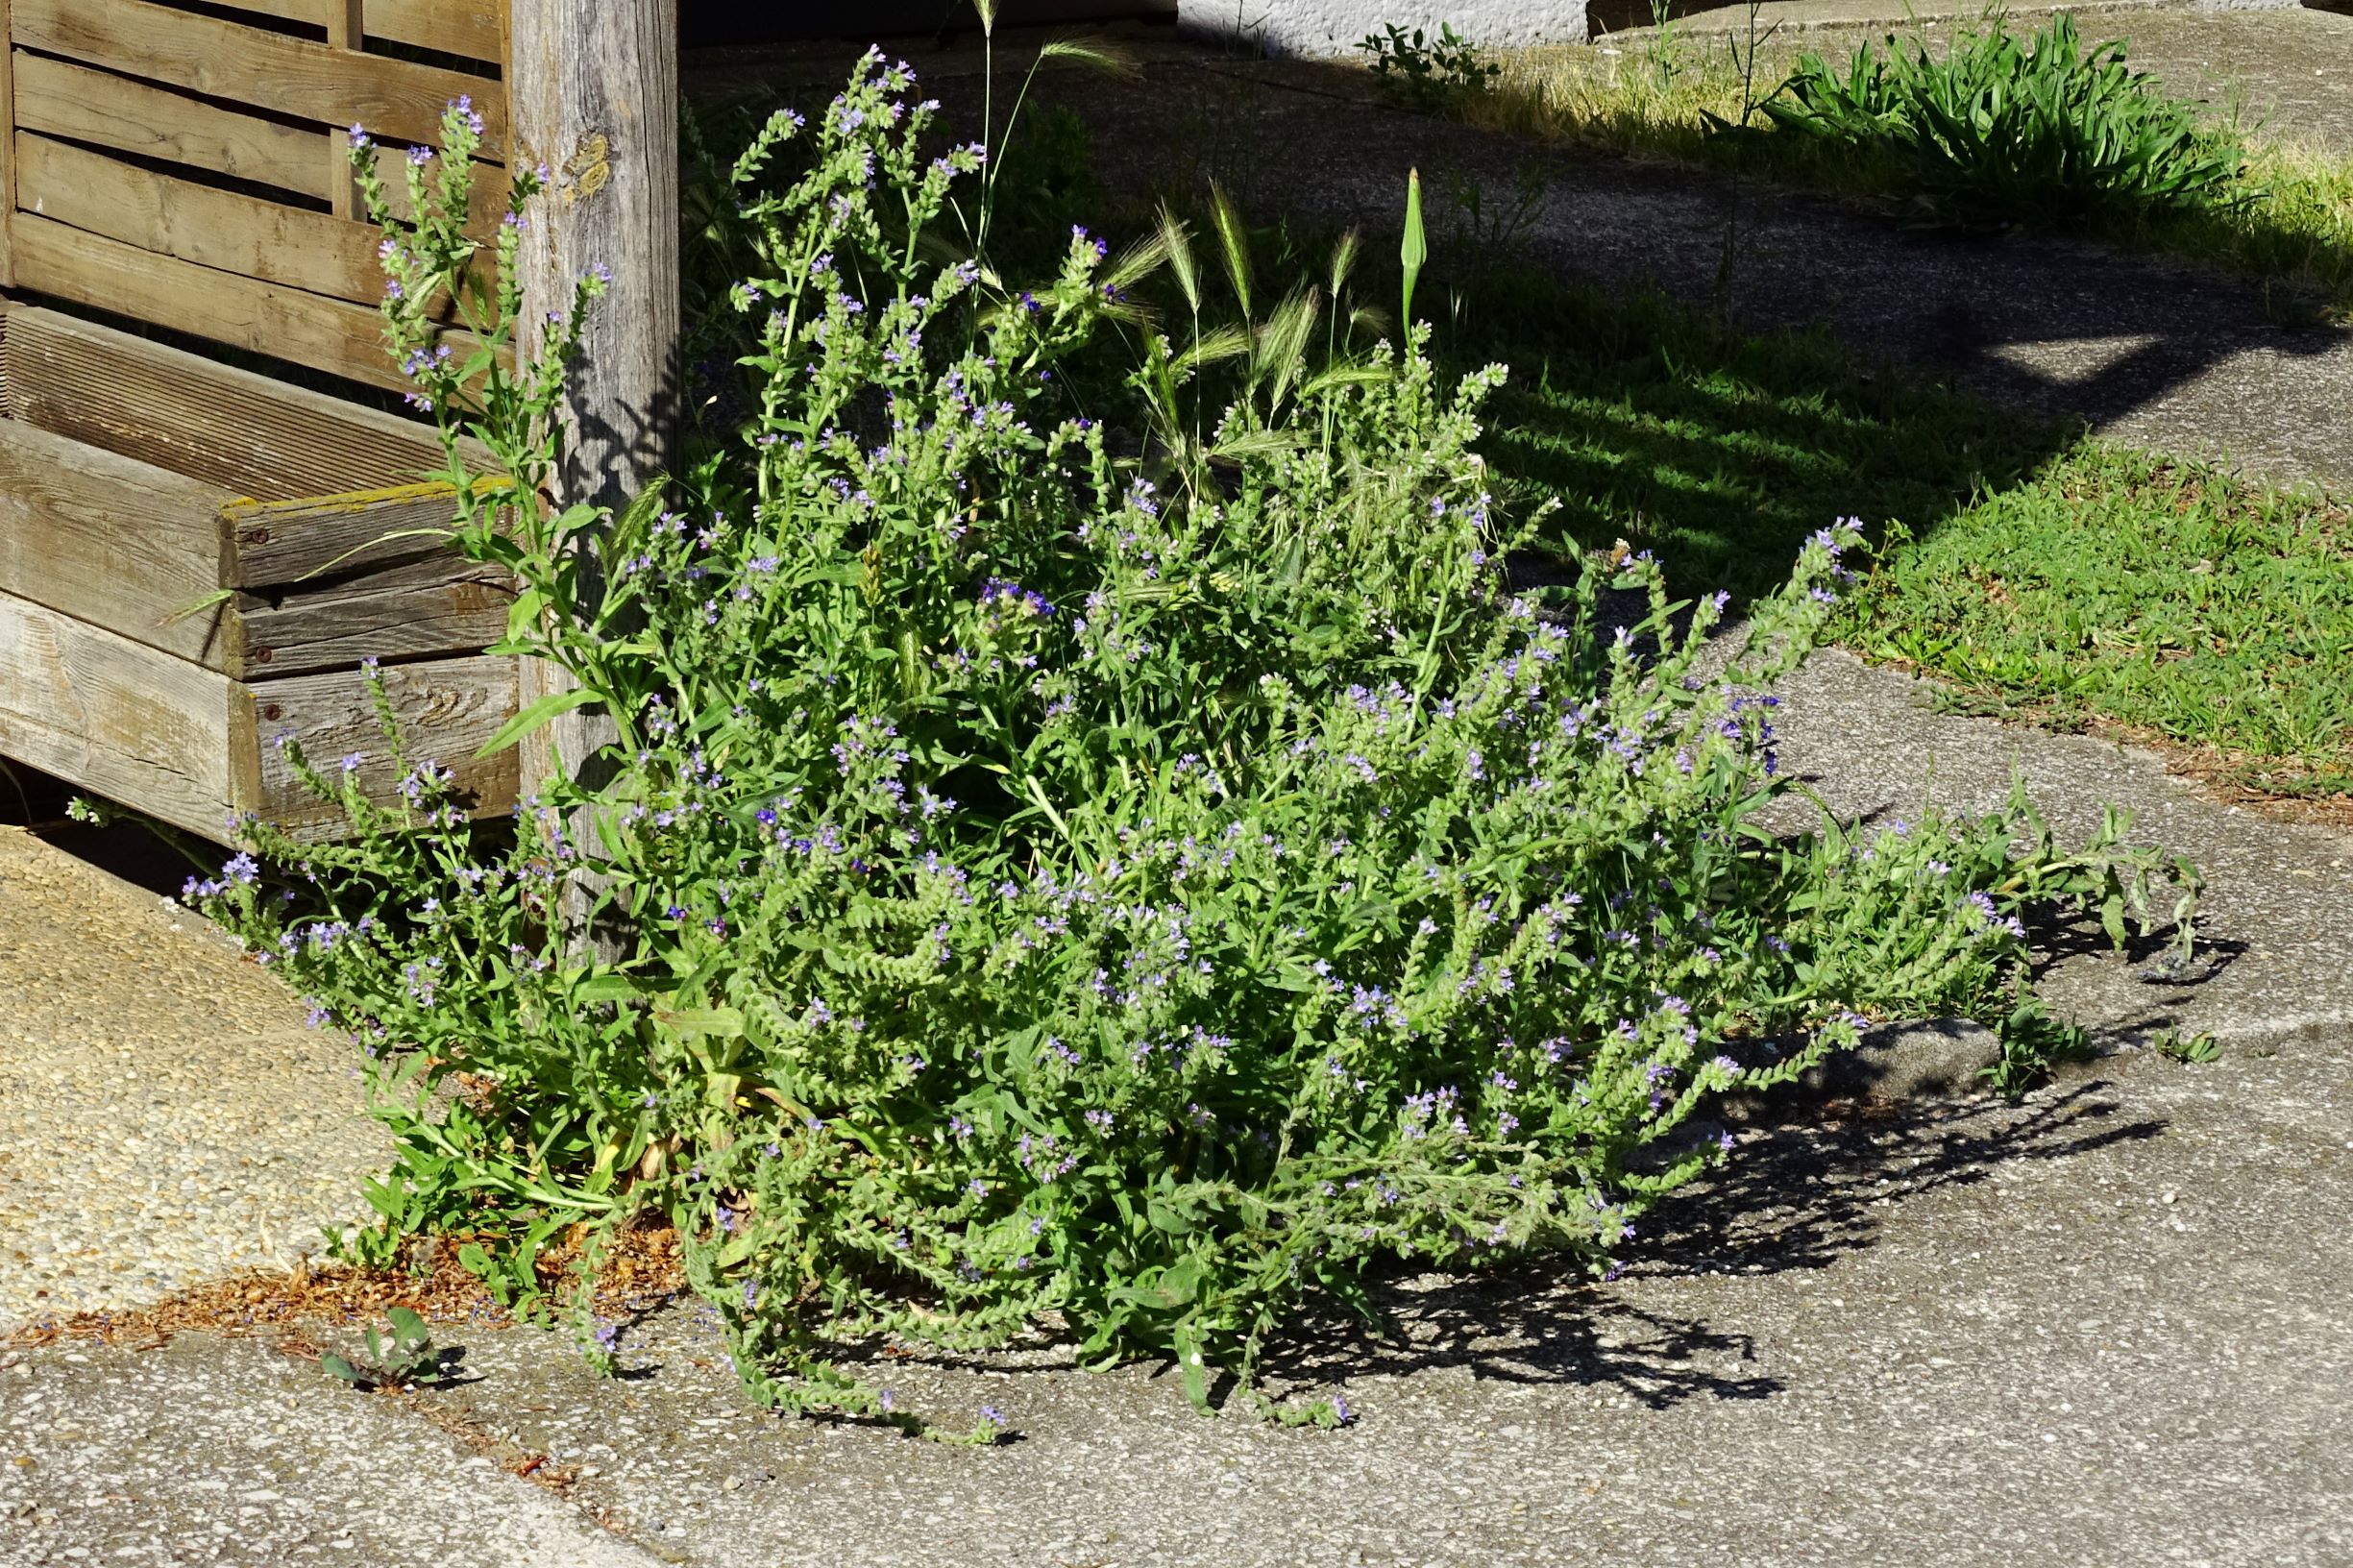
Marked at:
<point>297,77</point>
<point>204,224</point>
<point>475,28</point>
<point>59,98</point>
<point>248,433</point>
<point>472,29</point>
<point>597,101</point>
<point>118,544</point>
<point>287,542</point>
<point>290,324</point>
<point>447,709</point>
<point>190,746</point>
<point>8,142</point>
<point>437,604</point>
<point>343,32</point>
<point>122,720</point>
<point>595,94</point>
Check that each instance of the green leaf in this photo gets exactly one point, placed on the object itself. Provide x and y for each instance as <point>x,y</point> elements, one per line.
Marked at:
<point>407,1328</point>
<point>522,615</point>
<point>723,1021</point>
<point>335,1366</point>
<point>537,714</point>
<point>1193,1365</point>
<point>606,987</point>
<point>1170,1287</point>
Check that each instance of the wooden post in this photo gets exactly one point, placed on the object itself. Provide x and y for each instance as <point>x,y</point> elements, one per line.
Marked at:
<point>346,29</point>
<point>593,95</point>
<point>7,144</point>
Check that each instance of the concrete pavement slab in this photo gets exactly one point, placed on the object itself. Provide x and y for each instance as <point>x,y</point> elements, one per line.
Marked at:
<point>164,1115</point>
<point>229,1454</point>
<point>2099,1328</point>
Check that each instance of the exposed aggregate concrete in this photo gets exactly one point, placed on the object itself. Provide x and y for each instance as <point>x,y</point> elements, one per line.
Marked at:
<point>165,1115</point>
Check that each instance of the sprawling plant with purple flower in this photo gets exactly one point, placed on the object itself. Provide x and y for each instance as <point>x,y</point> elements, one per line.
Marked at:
<point>1126,859</point>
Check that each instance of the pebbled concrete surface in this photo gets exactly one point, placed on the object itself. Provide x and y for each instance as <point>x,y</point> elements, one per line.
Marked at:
<point>165,1115</point>
<point>2277,915</point>
<point>2093,1329</point>
<point>228,1453</point>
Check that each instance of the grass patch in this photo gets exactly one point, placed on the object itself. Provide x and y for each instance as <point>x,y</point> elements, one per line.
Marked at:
<point>2168,597</point>
<point>1719,450</point>
<point>2285,217</point>
<point>2049,575</point>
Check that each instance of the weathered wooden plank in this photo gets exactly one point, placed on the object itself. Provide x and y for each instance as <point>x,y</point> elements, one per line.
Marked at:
<point>447,708</point>
<point>249,433</point>
<point>7,138</point>
<point>285,542</point>
<point>59,98</point>
<point>204,224</point>
<point>121,720</point>
<point>118,544</point>
<point>290,324</point>
<point>343,32</point>
<point>475,28</point>
<point>435,604</point>
<point>471,28</point>
<point>293,76</point>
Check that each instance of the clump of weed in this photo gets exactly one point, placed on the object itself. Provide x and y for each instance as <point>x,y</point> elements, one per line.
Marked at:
<point>1998,131</point>
<point>1091,831</point>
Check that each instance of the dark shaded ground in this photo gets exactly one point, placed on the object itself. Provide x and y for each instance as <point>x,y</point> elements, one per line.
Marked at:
<point>2139,348</point>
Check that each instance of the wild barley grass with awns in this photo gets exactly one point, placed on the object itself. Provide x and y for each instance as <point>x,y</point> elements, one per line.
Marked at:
<point>1099,843</point>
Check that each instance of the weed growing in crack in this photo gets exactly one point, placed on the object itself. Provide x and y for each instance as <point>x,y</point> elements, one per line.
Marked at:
<point>1095,837</point>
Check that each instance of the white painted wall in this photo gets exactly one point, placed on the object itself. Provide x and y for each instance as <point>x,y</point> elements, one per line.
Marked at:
<point>1334,27</point>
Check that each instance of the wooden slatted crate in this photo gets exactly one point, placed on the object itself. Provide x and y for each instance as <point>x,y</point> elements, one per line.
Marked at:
<point>185,166</point>
<point>138,481</point>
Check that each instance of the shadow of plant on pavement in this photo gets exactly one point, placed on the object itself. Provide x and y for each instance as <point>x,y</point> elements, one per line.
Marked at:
<point>1800,1195</point>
